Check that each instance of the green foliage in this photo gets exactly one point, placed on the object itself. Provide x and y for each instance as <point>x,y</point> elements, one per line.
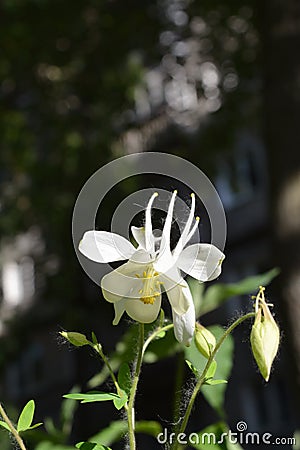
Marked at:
<point>93,396</point>
<point>91,446</point>
<point>117,429</point>
<point>47,445</point>
<point>124,378</point>
<point>218,293</point>
<point>210,438</point>
<point>26,418</point>
<point>220,369</point>
<point>4,425</point>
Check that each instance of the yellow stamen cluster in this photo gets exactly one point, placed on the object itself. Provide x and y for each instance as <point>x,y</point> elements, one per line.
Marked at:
<point>149,291</point>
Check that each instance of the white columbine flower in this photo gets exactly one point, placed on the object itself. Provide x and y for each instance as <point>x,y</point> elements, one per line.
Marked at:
<point>135,287</point>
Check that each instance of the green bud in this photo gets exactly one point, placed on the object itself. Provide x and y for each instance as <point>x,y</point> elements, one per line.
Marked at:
<point>204,340</point>
<point>74,338</point>
<point>264,338</point>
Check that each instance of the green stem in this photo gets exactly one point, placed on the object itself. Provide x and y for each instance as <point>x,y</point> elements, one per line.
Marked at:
<point>201,380</point>
<point>98,349</point>
<point>137,371</point>
<point>155,334</point>
<point>12,428</point>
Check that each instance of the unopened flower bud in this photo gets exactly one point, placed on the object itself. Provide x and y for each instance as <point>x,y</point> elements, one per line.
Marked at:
<point>205,340</point>
<point>264,339</point>
<point>74,338</point>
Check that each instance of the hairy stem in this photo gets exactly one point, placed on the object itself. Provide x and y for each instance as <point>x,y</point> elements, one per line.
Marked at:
<point>201,380</point>
<point>12,428</point>
<point>137,371</point>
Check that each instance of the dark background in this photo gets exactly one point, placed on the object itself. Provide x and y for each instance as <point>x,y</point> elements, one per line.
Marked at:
<point>85,82</point>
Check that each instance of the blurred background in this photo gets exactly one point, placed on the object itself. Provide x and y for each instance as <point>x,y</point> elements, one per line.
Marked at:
<point>84,82</point>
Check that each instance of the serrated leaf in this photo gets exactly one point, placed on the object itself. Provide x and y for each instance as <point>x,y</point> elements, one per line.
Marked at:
<point>4,425</point>
<point>218,293</point>
<point>192,367</point>
<point>93,396</point>
<point>26,416</point>
<point>124,378</point>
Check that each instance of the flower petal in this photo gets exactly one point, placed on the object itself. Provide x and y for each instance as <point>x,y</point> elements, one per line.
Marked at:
<point>177,291</point>
<point>184,325</point>
<point>103,247</point>
<point>143,313</point>
<point>122,282</point>
<point>149,238</point>
<point>139,236</point>
<point>201,261</point>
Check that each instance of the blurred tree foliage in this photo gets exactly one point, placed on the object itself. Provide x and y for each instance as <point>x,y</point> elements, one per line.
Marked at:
<point>74,79</point>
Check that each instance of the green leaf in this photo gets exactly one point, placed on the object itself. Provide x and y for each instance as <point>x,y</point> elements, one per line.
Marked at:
<point>121,400</point>
<point>93,396</point>
<point>26,416</point>
<point>213,437</point>
<point>117,429</point>
<point>32,427</point>
<point>4,425</point>
<point>47,445</point>
<point>91,446</point>
<point>212,369</point>
<point>193,368</point>
<point>213,382</point>
<point>124,378</point>
<point>218,293</point>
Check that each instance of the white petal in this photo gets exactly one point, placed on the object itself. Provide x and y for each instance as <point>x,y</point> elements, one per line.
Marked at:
<point>183,238</point>
<point>166,234</point>
<point>149,238</point>
<point>178,292</point>
<point>143,313</point>
<point>184,325</point>
<point>103,247</point>
<point>139,236</point>
<point>122,282</point>
<point>119,310</point>
<point>201,261</point>
<point>141,256</point>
